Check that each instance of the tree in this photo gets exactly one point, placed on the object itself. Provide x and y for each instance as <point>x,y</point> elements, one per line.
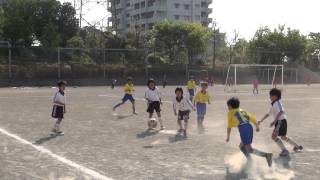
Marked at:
<point>175,39</point>
<point>68,24</point>
<point>269,47</point>
<point>18,22</point>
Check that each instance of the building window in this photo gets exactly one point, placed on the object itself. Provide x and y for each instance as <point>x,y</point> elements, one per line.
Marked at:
<point>143,4</point>
<point>186,6</point>
<point>197,17</point>
<point>176,17</point>
<point>176,5</point>
<point>187,18</point>
<point>137,6</point>
<point>128,4</point>
<point>150,3</point>
<point>204,4</point>
<point>128,15</point>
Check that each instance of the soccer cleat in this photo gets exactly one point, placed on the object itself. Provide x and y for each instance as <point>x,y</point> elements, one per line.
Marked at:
<point>185,133</point>
<point>269,159</point>
<point>162,128</point>
<point>135,113</point>
<point>284,153</point>
<point>297,148</point>
<point>180,130</point>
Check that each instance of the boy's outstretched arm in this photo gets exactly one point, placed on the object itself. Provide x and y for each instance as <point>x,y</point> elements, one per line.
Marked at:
<point>228,134</point>
<point>264,117</point>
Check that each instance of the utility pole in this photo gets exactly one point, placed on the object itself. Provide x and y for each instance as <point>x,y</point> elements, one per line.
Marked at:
<point>214,44</point>
<point>81,4</point>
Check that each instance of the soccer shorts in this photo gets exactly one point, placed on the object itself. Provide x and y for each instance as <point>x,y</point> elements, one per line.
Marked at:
<point>127,97</point>
<point>191,92</point>
<point>281,127</point>
<point>201,109</point>
<point>154,106</point>
<point>57,112</point>
<point>246,133</point>
<point>183,115</point>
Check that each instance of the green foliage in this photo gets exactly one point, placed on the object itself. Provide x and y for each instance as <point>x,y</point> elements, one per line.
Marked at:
<point>272,46</point>
<point>50,22</point>
<point>78,55</point>
<point>18,22</point>
<point>174,38</point>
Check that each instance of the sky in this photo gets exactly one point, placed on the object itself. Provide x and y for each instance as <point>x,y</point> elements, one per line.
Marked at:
<point>245,16</point>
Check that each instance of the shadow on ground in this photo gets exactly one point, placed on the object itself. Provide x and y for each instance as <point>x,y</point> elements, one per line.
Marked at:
<point>46,139</point>
<point>146,134</point>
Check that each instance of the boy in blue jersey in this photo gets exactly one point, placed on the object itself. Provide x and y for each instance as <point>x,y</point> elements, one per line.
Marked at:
<point>241,119</point>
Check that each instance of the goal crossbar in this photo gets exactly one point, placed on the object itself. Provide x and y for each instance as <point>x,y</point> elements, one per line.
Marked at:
<point>235,66</point>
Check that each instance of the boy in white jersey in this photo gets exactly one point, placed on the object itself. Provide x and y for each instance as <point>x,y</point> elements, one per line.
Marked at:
<point>153,97</point>
<point>184,106</point>
<point>279,123</point>
<point>59,106</point>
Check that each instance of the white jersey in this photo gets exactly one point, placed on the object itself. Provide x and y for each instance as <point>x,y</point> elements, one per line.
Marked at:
<point>153,95</point>
<point>59,98</point>
<point>183,105</point>
<point>276,108</point>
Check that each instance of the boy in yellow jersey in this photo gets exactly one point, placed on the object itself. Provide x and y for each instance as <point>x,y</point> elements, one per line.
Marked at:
<point>241,119</point>
<point>191,86</point>
<point>128,90</point>
<point>200,101</point>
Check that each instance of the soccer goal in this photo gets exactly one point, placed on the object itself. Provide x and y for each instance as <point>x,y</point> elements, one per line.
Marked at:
<point>243,75</point>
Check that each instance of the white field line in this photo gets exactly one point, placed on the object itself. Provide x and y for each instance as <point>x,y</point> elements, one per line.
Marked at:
<point>65,161</point>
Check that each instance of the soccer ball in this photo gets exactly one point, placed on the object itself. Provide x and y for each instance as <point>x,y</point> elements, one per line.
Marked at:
<point>152,123</point>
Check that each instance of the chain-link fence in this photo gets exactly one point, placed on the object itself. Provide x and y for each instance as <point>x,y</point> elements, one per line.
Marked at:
<point>85,66</point>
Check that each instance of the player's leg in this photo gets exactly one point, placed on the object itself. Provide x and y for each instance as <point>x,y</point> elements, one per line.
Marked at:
<point>132,100</point>
<point>180,123</point>
<point>185,119</point>
<point>160,121</point>
<point>125,98</point>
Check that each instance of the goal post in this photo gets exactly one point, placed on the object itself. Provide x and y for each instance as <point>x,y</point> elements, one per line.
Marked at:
<point>234,77</point>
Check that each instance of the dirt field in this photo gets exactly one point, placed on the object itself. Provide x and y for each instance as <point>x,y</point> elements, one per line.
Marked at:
<point>101,145</point>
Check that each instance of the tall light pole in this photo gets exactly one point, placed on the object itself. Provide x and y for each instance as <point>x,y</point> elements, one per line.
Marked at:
<point>214,24</point>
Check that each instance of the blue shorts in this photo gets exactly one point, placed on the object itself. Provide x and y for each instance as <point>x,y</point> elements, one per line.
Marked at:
<point>246,133</point>
<point>191,92</point>
<point>128,97</point>
<point>201,109</point>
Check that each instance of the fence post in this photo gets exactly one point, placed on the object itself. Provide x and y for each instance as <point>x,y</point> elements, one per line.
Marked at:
<point>104,63</point>
<point>59,65</point>
<point>10,70</point>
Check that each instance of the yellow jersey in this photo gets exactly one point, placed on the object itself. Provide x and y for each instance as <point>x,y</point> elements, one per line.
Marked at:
<point>238,117</point>
<point>202,97</point>
<point>128,88</point>
<point>191,84</point>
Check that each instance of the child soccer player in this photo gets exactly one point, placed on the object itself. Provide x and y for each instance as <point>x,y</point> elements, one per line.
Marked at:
<point>279,122</point>
<point>184,106</point>
<point>241,119</point>
<point>113,83</point>
<point>255,84</point>
<point>153,97</point>
<point>59,106</point>
<point>201,99</point>
<point>191,86</point>
<point>164,80</point>
<point>128,90</point>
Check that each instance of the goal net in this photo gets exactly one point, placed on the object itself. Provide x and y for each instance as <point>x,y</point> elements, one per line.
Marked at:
<point>241,77</point>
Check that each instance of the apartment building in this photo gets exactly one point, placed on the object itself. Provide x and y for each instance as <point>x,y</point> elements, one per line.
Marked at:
<point>130,15</point>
